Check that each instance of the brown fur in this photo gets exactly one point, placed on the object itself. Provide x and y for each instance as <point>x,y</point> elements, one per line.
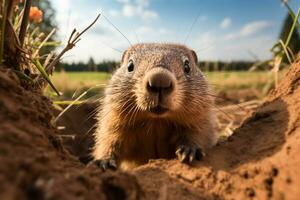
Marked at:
<point>129,133</point>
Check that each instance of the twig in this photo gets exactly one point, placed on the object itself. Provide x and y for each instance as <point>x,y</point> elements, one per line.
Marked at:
<point>73,40</point>
<point>24,23</point>
<point>3,24</point>
<point>9,10</point>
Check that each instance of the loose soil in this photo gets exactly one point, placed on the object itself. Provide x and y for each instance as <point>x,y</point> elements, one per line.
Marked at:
<point>260,160</point>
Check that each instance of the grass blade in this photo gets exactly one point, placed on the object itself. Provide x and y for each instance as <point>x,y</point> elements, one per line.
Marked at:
<point>45,75</point>
<point>68,102</point>
<point>293,28</point>
<point>74,102</point>
<point>69,106</point>
<point>292,14</point>
<point>286,51</point>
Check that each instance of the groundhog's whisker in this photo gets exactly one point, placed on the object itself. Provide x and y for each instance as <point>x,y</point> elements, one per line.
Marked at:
<point>117,50</point>
<point>129,105</point>
<point>136,110</point>
<point>117,29</point>
<point>191,28</point>
<point>92,128</point>
<point>131,113</point>
<point>92,113</point>
<point>205,48</point>
<point>203,101</point>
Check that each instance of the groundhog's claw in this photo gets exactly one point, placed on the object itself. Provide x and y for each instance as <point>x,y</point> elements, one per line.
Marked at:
<point>188,154</point>
<point>104,164</point>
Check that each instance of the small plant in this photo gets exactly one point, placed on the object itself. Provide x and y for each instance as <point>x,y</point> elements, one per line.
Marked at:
<point>281,48</point>
<point>22,41</point>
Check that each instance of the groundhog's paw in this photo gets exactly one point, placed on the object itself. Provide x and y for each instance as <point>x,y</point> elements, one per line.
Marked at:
<point>104,163</point>
<point>187,153</point>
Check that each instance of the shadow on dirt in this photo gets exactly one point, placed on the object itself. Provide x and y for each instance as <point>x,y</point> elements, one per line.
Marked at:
<point>79,125</point>
<point>260,136</point>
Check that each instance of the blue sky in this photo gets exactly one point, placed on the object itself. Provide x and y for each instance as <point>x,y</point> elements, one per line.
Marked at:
<point>225,29</point>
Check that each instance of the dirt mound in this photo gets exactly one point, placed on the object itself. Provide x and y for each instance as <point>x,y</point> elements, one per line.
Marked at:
<point>34,164</point>
<point>260,160</point>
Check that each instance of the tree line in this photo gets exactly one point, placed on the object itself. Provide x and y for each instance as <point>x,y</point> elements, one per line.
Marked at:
<point>110,66</point>
<point>91,65</point>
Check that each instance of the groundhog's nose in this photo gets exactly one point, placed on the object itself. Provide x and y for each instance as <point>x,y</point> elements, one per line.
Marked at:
<point>160,82</point>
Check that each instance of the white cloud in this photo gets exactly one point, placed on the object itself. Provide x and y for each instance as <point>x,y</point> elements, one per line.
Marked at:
<point>114,13</point>
<point>254,27</point>
<point>207,38</point>
<point>249,29</point>
<point>144,3</point>
<point>129,10</point>
<point>149,15</point>
<point>62,9</point>
<point>123,1</point>
<point>138,8</point>
<point>146,30</point>
<point>61,5</point>
<point>216,46</point>
<point>163,31</point>
<point>226,22</point>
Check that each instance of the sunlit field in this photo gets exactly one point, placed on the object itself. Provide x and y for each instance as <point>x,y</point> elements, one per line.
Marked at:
<point>71,84</point>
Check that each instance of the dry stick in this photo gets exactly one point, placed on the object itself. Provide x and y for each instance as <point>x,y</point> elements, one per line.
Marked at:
<point>23,30</point>
<point>3,24</point>
<point>6,17</point>
<point>9,10</point>
<point>24,23</point>
<point>71,43</point>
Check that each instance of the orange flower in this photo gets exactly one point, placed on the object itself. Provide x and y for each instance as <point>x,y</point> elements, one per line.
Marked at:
<point>35,15</point>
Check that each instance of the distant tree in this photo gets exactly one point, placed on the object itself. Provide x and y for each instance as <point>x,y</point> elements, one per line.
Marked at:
<point>91,64</point>
<point>294,44</point>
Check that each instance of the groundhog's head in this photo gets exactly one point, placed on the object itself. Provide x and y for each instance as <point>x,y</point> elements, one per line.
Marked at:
<point>159,81</point>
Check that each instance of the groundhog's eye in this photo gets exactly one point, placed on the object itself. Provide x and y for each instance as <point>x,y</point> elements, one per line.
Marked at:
<point>186,67</point>
<point>130,66</point>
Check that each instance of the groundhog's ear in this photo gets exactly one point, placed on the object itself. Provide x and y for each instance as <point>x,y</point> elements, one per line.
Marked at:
<point>123,56</point>
<point>194,56</point>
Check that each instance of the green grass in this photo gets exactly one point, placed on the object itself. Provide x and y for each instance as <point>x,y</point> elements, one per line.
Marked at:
<point>70,82</point>
<point>99,77</point>
<point>222,81</point>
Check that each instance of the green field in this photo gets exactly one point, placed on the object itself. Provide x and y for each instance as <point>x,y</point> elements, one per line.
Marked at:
<point>70,82</point>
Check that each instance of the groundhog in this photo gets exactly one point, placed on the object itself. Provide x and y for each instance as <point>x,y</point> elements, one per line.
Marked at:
<point>157,105</point>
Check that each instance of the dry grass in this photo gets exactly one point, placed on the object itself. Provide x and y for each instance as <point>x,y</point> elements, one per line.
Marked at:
<point>75,82</point>
<point>71,84</point>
